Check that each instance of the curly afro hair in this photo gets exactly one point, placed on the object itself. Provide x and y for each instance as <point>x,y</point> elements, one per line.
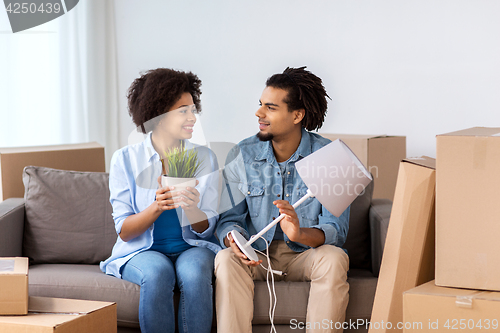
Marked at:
<point>305,91</point>
<point>156,91</point>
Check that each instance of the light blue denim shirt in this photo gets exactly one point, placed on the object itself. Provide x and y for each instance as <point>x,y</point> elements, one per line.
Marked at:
<point>133,183</point>
<point>253,181</point>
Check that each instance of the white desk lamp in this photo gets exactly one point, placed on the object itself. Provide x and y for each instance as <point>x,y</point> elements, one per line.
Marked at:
<point>333,174</point>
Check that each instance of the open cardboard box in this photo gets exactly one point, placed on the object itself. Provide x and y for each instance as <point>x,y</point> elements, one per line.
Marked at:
<point>13,286</point>
<point>429,308</point>
<point>76,157</point>
<point>58,315</point>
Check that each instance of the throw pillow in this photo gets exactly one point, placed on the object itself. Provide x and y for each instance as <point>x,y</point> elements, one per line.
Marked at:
<point>68,216</point>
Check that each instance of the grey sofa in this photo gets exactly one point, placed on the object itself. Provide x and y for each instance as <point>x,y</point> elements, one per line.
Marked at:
<point>64,226</point>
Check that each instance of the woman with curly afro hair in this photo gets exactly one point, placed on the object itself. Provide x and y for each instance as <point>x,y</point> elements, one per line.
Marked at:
<point>161,244</point>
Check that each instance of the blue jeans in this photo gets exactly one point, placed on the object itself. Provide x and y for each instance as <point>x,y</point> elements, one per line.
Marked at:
<point>158,274</point>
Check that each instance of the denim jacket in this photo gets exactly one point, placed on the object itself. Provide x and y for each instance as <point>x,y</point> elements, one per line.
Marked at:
<point>253,181</point>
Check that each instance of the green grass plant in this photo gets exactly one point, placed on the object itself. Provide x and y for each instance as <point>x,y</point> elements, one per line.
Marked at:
<point>181,163</point>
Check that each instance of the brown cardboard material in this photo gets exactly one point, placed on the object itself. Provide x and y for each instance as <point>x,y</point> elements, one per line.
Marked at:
<point>408,259</point>
<point>76,157</point>
<point>58,315</point>
<point>440,309</point>
<point>13,286</point>
<point>468,209</point>
<point>380,154</point>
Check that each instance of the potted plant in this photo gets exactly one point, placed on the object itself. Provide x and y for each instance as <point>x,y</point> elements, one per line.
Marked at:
<point>181,165</point>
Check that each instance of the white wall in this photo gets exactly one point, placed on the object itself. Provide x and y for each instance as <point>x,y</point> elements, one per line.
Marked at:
<point>416,68</point>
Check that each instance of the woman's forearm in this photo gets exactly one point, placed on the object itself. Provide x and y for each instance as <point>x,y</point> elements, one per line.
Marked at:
<point>135,225</point>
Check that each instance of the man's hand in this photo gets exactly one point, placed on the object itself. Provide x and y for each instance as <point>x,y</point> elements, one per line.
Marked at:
<point>229,240</point>
<point>290,223</point>
<point>291,227</point>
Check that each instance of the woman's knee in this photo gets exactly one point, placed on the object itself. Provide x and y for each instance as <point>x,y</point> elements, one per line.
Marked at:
<point>155,269</point>
<point>195,265</point>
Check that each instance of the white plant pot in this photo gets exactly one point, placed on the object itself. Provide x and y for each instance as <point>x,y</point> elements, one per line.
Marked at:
<point>180,184</point>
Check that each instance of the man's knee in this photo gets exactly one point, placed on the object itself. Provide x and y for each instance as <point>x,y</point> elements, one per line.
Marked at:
<point>223,256</point>
<point>332,257</point>
<point>224,259</point>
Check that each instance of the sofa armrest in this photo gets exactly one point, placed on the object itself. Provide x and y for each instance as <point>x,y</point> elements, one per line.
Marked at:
<point>380,212</point>
<point>11,227</point>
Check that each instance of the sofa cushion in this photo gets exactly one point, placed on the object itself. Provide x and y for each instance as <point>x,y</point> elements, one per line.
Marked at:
<point>357,243</point>
<point>293,297</point>
<point>68,216</point>
<point>89,283</point>
<point>292,302</point>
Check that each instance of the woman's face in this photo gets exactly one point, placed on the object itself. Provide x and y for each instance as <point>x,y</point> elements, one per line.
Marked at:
<point>178,122</point>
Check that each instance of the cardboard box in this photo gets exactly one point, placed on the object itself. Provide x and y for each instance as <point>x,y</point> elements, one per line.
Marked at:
<point>381,155</point>
<point>76,157</point>
<point>438,309</point>
<point>13,286</point>
<point>58,315</point>
<point>468,209</point>
<point>408,259</point>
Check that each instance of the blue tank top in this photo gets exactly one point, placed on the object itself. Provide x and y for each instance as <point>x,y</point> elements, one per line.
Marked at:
<point>167,234</point>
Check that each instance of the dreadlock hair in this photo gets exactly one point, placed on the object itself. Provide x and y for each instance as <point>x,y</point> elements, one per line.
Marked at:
<point>305,91</point>
<point>156,91</point>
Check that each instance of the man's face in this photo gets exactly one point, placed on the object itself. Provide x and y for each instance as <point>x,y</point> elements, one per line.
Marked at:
<point>275,121</point>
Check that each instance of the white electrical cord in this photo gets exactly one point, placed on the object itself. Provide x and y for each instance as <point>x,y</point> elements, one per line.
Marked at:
<point>270,271</point>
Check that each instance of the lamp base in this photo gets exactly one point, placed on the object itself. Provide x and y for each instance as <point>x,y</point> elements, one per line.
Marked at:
<point>242,244</point>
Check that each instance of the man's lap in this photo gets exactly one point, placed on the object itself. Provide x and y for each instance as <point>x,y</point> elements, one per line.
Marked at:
<point>298,266</point>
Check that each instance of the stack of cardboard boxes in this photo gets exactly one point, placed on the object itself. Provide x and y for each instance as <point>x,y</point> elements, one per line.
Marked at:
<point>465,295</point>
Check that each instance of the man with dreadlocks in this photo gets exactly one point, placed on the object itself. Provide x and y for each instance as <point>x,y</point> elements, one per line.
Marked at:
<point>306,244</point>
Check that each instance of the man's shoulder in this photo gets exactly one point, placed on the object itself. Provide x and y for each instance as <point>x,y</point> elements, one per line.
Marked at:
<point>250,141</point>
<point>250,146</point>
<point>244,149</point>
<point>318,141</point>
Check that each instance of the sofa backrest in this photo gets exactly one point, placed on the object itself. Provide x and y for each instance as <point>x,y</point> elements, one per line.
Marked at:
<point>68,216</point>
<point>68,219</point>
<point>357,243</point>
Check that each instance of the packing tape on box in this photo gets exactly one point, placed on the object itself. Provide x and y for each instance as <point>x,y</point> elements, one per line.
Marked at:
<point>7,265</point>
<point>464,302</point>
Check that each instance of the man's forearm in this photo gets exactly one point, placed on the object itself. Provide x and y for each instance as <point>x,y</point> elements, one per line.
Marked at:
<point>311,237</point>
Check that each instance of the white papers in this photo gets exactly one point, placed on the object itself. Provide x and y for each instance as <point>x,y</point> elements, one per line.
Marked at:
<point>7,265</point>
